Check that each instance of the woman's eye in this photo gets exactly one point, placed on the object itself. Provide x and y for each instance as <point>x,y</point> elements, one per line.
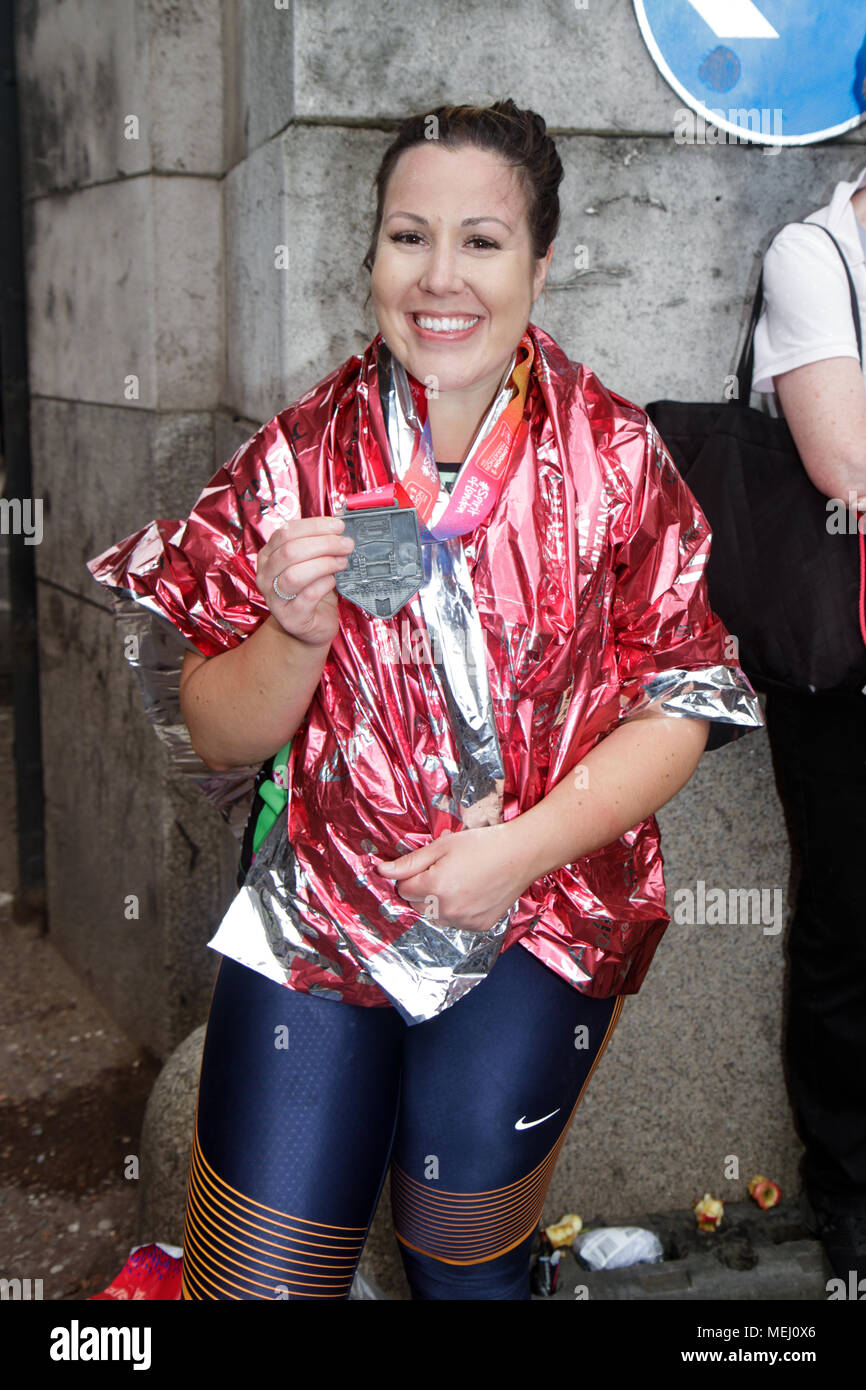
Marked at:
<point>483,242</point>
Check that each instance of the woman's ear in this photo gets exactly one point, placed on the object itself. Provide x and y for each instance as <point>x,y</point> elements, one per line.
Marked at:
<point>541,268</point>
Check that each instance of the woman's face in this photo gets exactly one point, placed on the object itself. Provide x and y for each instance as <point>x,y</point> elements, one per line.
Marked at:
<point>454,244</point>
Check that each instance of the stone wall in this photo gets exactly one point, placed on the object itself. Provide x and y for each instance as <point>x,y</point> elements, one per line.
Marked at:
<point>257,126</point>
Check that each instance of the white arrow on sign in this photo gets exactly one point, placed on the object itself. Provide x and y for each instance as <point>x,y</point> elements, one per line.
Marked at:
<point>734,19</point>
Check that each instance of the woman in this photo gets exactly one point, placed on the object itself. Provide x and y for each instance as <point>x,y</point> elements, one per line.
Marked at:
<point>488,786</point>
<point>807,361</point>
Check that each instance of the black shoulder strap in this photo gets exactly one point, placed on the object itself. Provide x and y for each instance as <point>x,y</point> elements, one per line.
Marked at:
<point>747,356</point>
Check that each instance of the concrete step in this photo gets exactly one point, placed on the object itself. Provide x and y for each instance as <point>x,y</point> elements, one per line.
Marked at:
<point>754,1255</point>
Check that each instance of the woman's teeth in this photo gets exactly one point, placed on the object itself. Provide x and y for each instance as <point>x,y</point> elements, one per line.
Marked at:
<point>444,325</point>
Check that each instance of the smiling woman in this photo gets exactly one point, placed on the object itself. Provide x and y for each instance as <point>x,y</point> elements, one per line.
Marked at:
<point>467,880</point>
<point>460,252</point>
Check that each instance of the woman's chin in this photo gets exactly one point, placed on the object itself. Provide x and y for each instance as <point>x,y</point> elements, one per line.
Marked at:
<point>452,370</point>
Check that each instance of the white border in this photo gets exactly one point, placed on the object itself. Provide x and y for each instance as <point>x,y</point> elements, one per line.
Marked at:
<point>754,136</point>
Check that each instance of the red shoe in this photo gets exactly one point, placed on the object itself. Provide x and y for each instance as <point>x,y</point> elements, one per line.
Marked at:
<point>152,1271</point>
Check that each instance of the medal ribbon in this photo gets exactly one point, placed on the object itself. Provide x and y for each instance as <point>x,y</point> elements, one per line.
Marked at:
<point>480,479</point>
<point>441,515</point>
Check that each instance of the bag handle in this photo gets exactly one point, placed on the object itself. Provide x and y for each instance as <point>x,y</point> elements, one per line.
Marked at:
<point>746,363</point>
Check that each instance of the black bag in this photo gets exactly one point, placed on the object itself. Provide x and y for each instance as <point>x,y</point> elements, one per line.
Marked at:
<point>780,582</point>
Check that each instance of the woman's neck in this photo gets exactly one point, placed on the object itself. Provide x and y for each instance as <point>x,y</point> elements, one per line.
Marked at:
<point>454,420</point>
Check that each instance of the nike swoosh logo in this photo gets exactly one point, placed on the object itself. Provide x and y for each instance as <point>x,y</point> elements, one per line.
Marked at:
<point>530,1123</point>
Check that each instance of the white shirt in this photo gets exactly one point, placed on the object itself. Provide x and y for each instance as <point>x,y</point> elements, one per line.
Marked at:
<point>807,305</point>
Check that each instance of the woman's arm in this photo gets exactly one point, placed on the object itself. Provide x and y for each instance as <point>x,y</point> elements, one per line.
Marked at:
<point>244,704</point>
<point>473,877</point>
<point>825,408</point>
<point>626,778</point>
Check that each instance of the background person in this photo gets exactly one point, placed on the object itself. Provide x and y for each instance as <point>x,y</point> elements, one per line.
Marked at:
<point>806,353</point>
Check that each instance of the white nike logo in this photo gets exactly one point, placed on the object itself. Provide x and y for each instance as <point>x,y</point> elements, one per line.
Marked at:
<point>529,1123</point>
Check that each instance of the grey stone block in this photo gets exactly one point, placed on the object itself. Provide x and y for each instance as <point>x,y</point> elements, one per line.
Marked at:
<point>673,235</point>
<point>185,66</point>
<point>103,473</point>
<point>754,1256</point>
<point>124,282</point>
<point>693,1072</point>
<point>306,192</point>
<point>791,1273</point>
<point>114,832</point>
<point>78,79</point>
<point>584,69</point>
<point>166,1144</point>
<point>260,59</point>
<point>82,78</point>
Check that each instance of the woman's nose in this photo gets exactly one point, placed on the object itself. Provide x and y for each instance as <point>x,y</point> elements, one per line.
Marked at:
<point>441,274</point>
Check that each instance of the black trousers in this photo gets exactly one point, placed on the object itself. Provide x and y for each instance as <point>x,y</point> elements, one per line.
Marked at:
<point>818,745</point>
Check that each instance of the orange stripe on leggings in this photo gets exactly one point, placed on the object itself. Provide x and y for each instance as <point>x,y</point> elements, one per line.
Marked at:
<point>465,1228</point>
<point>234,1250</point>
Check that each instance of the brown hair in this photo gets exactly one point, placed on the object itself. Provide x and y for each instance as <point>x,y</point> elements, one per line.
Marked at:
<point>519,137</point>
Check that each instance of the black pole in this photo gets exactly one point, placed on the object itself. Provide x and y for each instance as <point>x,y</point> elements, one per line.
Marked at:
<point>15,408</point>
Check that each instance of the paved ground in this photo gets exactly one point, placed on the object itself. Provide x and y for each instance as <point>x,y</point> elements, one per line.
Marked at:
<point>72,1094</point>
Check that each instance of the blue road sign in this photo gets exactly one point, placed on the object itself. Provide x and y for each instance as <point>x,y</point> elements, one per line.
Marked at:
<point>778,72</point>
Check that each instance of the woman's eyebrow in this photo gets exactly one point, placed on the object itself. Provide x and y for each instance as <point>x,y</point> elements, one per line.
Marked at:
<point>467,221</point>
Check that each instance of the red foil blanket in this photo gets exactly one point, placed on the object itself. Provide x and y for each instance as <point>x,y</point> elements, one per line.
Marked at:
<point>586,586</point>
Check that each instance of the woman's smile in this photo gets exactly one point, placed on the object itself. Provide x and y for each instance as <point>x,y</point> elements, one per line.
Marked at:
<point>450,327</point>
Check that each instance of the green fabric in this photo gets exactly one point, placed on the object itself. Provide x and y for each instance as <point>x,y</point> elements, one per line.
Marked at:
<point>274,797</point>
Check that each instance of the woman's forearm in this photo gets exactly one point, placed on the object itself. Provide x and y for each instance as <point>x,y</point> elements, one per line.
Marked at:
<point>825,407</point>
<point>620,782</point>
<point>240,707</point>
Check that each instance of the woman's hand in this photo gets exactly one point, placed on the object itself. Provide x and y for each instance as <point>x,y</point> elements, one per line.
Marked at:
<point>304,556</point>
<point>466,880</point>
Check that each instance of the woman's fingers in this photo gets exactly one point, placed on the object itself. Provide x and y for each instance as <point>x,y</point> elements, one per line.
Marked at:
<point>303,557</point>
<point>301,527</point>
<point>309,596</point>
<point>415,862</point>
<point>297,578</point>
<point>286,550</point>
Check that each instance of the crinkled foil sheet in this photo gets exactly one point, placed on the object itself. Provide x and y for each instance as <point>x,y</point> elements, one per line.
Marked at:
<point>538,652</point>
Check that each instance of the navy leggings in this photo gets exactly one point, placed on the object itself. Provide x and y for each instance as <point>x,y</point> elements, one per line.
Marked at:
<point>303,1103</point>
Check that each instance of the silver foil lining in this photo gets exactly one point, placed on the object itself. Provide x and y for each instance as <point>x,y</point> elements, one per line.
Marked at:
<point>428,968</point>
<point>714,692</point>
<point>155,650</point>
